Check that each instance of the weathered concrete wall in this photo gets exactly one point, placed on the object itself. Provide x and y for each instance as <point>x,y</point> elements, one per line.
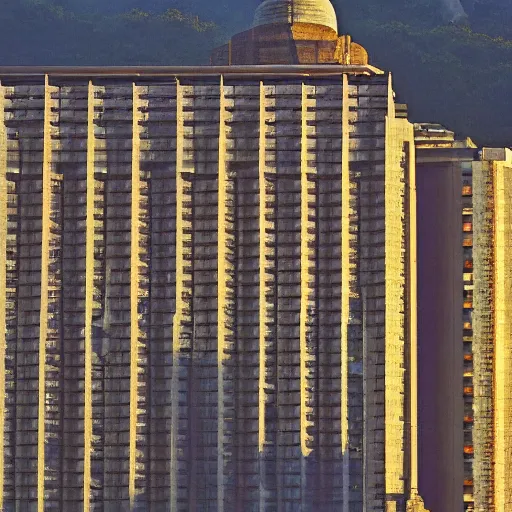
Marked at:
<point>440,345</point>
<point>206,301</point>
<point>483,341</point>
<point>492,351</point>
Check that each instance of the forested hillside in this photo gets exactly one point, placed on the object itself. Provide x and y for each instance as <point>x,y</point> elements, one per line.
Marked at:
<point>451,59</point>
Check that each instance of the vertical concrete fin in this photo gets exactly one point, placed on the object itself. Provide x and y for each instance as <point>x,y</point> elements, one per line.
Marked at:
<point>43,313</point>
<point>391,98</point>
<point>262,279</point>
<point>222,331</point>
<point>307,255</point>
<point>412,301</point>
<point>345,285</point>
<point>178,317</point>
<point>502,360</point>
<point>503,396</point>
<point>500,332</point>
<point>394,191</point>
<point>89,297</point>
<point>134,293</point>
<point>263,305</point>
<point>3,284</point>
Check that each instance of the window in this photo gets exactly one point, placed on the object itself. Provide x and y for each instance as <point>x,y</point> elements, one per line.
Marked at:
<point>467,227</point>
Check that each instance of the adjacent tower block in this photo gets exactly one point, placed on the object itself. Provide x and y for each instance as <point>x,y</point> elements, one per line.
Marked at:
<point>464,277</point>
<point>492,350</point>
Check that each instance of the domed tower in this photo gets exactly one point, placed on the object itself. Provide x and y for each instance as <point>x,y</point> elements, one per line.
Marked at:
<point>292,32</point>
<point>314,12</point>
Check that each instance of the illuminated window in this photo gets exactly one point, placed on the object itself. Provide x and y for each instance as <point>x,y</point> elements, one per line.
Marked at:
<point>468,450</point>
<point>468,264</point>
<point>467,227</point>
<point>468,241</point>
<point>468,390</point>
<point>468,419</point>
<point>467,189</point>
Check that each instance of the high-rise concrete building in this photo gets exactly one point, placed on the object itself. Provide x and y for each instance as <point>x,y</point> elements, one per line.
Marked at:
<point>492,354</point>
<point>209,296</point>
<point>463,278</point>
<point>444,207</point>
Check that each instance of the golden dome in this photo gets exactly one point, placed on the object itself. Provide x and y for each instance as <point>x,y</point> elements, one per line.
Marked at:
<point>317,12</point>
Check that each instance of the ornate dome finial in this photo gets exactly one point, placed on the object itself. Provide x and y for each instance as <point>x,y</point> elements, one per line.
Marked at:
<point>317,12</point>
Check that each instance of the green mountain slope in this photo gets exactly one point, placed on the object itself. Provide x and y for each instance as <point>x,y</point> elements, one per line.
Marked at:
<point>449,75</point>
<point>39,33</point>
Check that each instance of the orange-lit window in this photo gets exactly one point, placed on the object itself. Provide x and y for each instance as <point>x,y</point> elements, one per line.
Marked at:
<point>468,390</point>
<point>468,242</point>
<point>468,419</point>
<point>468,450</point>
<point>468,357</point>
<point>468,264</point>
<point>468,304</point>
<point>467,190</point>
<point>468,482</point>
<point>467,227</point>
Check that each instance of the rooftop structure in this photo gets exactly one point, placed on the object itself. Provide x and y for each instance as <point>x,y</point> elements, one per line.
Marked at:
<point>445,288</point>
<point>313,12</point>
<point>292,32</point>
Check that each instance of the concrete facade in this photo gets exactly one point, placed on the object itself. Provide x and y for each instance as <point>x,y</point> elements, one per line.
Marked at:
<point>443,168</point>
<point>208,300</point>
<point>492,359</point>
<point>210,283</point>
<point>464,395</point>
